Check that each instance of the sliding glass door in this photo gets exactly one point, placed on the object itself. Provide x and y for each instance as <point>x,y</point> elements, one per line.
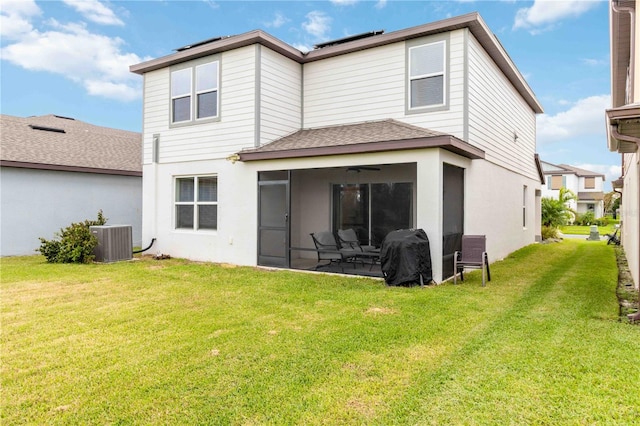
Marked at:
<point>373,209</point>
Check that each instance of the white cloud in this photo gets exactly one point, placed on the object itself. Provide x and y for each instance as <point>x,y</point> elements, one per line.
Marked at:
<point>108,89</point>
<point>95,11</point>
<point>95,61</point>
<point>15,18</point>
<point>381,4</point>
<point>584,117</point>
<point>544,13</point>
<point>302,47</point>
<point>610,172</point>
<point>318,23</point>
<point>344,2</point>
<point>278,20</point>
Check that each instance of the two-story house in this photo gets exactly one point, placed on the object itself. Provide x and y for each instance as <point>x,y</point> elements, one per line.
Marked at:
<point>586,185</point>
<point>623,123</point>
<point>250,145</point>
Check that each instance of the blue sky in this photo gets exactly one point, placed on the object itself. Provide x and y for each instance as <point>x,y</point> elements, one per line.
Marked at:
<point>72,57</point>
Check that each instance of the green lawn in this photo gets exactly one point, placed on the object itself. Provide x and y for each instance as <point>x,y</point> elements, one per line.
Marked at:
<point>178,342</point>
<point>586,230</point>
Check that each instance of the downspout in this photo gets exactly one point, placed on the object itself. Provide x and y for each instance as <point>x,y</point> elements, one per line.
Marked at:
<point>613,128</point>
<point>632,41</point>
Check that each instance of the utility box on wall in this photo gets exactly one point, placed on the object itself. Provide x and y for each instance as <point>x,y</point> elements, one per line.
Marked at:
<point>114,243</point>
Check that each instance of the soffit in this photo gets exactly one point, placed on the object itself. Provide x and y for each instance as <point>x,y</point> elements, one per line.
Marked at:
<point>620,50</point>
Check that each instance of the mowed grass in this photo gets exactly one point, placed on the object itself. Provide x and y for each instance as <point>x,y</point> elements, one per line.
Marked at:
<point>178,342</point>
<point>586,230</point>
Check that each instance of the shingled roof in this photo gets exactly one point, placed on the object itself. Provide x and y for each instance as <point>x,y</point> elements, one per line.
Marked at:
<point>359,138</point>
<point>59,143</point>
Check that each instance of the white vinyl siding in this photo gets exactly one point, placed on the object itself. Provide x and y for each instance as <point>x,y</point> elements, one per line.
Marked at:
<point>281,97</point>
<point>372,85</point>
<point>361,86</point>
<point>497,113</point>
<point>233,131</point>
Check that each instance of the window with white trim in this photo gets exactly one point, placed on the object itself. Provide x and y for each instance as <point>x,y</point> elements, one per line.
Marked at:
<point>427,67</point>
<point>196,203</point>
<point>195,93</point>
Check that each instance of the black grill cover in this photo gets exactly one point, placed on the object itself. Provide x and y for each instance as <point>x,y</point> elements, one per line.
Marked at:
<point>405,256</point>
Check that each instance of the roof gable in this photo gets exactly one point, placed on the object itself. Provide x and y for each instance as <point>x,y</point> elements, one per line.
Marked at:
<point>61,143</point>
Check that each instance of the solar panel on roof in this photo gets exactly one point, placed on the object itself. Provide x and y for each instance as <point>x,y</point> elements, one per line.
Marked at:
<point>47,129</point>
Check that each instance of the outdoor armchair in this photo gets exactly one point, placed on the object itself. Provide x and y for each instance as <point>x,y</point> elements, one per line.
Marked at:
<point>328,251</point>
<point>473,255</point>
<point>349,240</point>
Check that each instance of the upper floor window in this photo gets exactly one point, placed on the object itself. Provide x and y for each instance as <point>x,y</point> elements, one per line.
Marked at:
<point>427,67</point>
<point>556,182</point>
<point>194,92</point>
<point>590,183</point>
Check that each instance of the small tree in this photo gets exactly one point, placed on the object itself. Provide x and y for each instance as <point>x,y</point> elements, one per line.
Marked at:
<point>556,211</point>
<point>75,244</point>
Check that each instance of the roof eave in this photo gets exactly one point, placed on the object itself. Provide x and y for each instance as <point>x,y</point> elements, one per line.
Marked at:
<point>229,43</point>
<point>473,21</point>
<point>446,142</point>
<point>66,168</point>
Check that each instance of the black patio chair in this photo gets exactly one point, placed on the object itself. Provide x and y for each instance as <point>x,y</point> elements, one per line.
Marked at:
<point>328,251</point>
<point>349,240</point>
<point>473,255</point>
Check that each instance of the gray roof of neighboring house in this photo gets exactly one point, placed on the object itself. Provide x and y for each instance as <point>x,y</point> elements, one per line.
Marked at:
<point>370,136</point>
<point>472,21</point>
<point>558,169</point>
<point>58,143</point>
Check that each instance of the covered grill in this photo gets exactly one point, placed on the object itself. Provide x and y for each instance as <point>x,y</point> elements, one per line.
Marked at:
<point>405,258</point>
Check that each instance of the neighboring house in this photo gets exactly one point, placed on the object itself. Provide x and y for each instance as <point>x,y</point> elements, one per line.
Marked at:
<point>586,185</point>
<point>57,170</point>
<point>623,123</point>
<point>251,145</point>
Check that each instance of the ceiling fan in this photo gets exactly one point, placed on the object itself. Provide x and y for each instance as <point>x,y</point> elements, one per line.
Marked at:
<point>358,169</point>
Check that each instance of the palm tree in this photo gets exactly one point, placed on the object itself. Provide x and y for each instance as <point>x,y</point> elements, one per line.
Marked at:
<point>556,211</point>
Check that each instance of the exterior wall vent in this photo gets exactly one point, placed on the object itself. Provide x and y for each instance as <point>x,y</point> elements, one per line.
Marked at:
<point>114,243</point>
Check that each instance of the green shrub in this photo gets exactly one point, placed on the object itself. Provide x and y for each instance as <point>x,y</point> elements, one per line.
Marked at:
<point>75,244</point>
<point>585,219</point>
<point>549,232</point>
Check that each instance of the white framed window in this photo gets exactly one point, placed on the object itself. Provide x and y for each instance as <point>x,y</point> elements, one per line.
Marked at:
<point>195,92</point>
<point>196,202</point>
<point>181,95</point>
<point>427,75</point>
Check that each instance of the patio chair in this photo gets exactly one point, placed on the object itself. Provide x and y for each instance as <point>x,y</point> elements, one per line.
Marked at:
<point>349,240</point>
<point>328,250</point>
<point>473,255</point>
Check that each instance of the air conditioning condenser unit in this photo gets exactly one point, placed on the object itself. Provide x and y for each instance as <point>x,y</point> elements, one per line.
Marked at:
<point>114,243</point>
